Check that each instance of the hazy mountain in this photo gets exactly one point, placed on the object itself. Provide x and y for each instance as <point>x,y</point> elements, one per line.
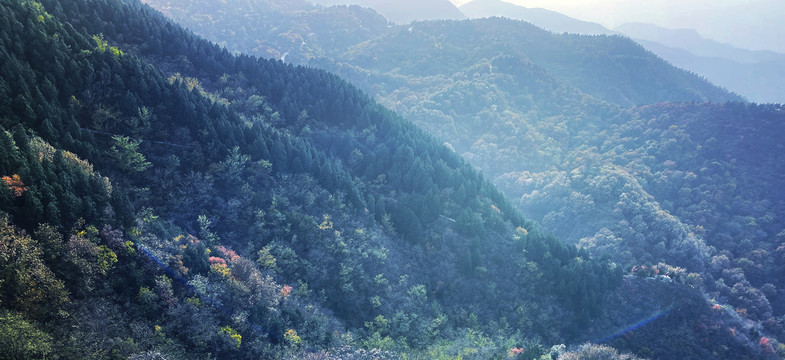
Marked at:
<point>757,75</point>
<point>750,24</point>
<point>610,68</point>
<point>405,11</point>
<point>162,197</point>
<point>762,82</point>
<point>690,40</point>
<point>546,19</point>
<point>755,24</point>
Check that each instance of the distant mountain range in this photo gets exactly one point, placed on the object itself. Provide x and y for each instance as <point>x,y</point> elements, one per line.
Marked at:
<point>759,76</point>
<point>405,11</point>
<point>546,19</point>
<point>164,198</point>
<point>689,39</point>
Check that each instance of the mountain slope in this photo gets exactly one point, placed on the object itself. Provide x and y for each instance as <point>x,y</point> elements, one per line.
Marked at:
<point>546,19</point>
<point>688,39</point>
<point>296,34</point>
<point>759,82</point>
<point>626,183</point>
<point>581,62</point>
<point>406,11</point>
<point>757,75</point>
<point>255,210</point>
<point>606,67</point>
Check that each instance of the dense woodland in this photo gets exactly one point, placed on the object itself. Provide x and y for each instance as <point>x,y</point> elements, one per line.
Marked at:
<point>165,198</point>
<point>681,186</point>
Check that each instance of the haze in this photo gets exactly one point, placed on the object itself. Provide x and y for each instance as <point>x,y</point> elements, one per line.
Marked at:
<point>754,25</point>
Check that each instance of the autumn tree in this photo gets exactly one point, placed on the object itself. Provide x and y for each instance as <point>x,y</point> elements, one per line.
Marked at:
<point>15,184</point>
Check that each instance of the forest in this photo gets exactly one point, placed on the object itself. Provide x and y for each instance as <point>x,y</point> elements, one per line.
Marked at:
<point>167,197</point>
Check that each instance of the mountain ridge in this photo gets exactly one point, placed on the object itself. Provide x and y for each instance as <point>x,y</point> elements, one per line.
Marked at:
<point>631,184</point>
<point>546,19</point>
<point>251,215</point>
<point>733,72</point>
<point>247,208</point>
<point>692,41</point>
<point>405,11</point>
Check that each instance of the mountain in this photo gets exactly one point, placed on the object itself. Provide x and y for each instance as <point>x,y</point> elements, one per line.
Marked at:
<point>757,75</point>
<point>327,35</point>
<point>760,82</point>
<point>609,68</point>
<point>296,34</point>
<point>690,40</point>
<point>405,11</point>
<point>751,24</point>
<point>163,198</point>
<point>647,186</point>
<point>546,19</point>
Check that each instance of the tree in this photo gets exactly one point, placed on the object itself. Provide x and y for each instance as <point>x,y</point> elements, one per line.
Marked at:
<point>15,184</point>
<point>126,152</point>
<point>20,339</point>
<point>27,283</point>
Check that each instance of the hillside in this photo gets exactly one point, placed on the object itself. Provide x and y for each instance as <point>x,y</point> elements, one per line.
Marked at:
<point>546,19</point>
<point>635,184</point>
<point>581,62</point>
<point>606,67</point>
<point>245,208</point>
<point>757,75</point>
<point>296,34</point>
<point>405,11</point>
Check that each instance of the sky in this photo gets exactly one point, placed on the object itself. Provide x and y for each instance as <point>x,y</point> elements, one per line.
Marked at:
<point>750,24</point>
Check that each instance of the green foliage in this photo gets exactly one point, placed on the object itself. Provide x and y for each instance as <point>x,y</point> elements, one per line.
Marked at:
<point>21,339</point>
<point>127,156</point>
<point>27,282</point>
<point>266,260</point>
<point>100,44</point>
<point>289,175</point>
<point>232,335</point>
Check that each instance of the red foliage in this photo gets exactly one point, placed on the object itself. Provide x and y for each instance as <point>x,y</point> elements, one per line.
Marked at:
<point>765,345</point>
<point>286,290</point>
<point>14,182</point>
<point>717,307</point>
<point>214,260</point>
<point>228,253</point>
<point>516,351</point>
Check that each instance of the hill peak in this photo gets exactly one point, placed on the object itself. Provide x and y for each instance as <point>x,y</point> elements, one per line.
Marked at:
<point>544,18</point>
<point>406,11</point>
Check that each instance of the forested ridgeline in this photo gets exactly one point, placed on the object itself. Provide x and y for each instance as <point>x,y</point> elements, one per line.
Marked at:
<point>693,185</point>
<point>165,198</point>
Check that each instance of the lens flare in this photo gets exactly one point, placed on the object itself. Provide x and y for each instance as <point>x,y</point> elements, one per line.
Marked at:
<point>635,326</point>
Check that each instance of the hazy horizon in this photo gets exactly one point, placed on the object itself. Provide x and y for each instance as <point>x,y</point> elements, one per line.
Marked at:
<point>749,24</point>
